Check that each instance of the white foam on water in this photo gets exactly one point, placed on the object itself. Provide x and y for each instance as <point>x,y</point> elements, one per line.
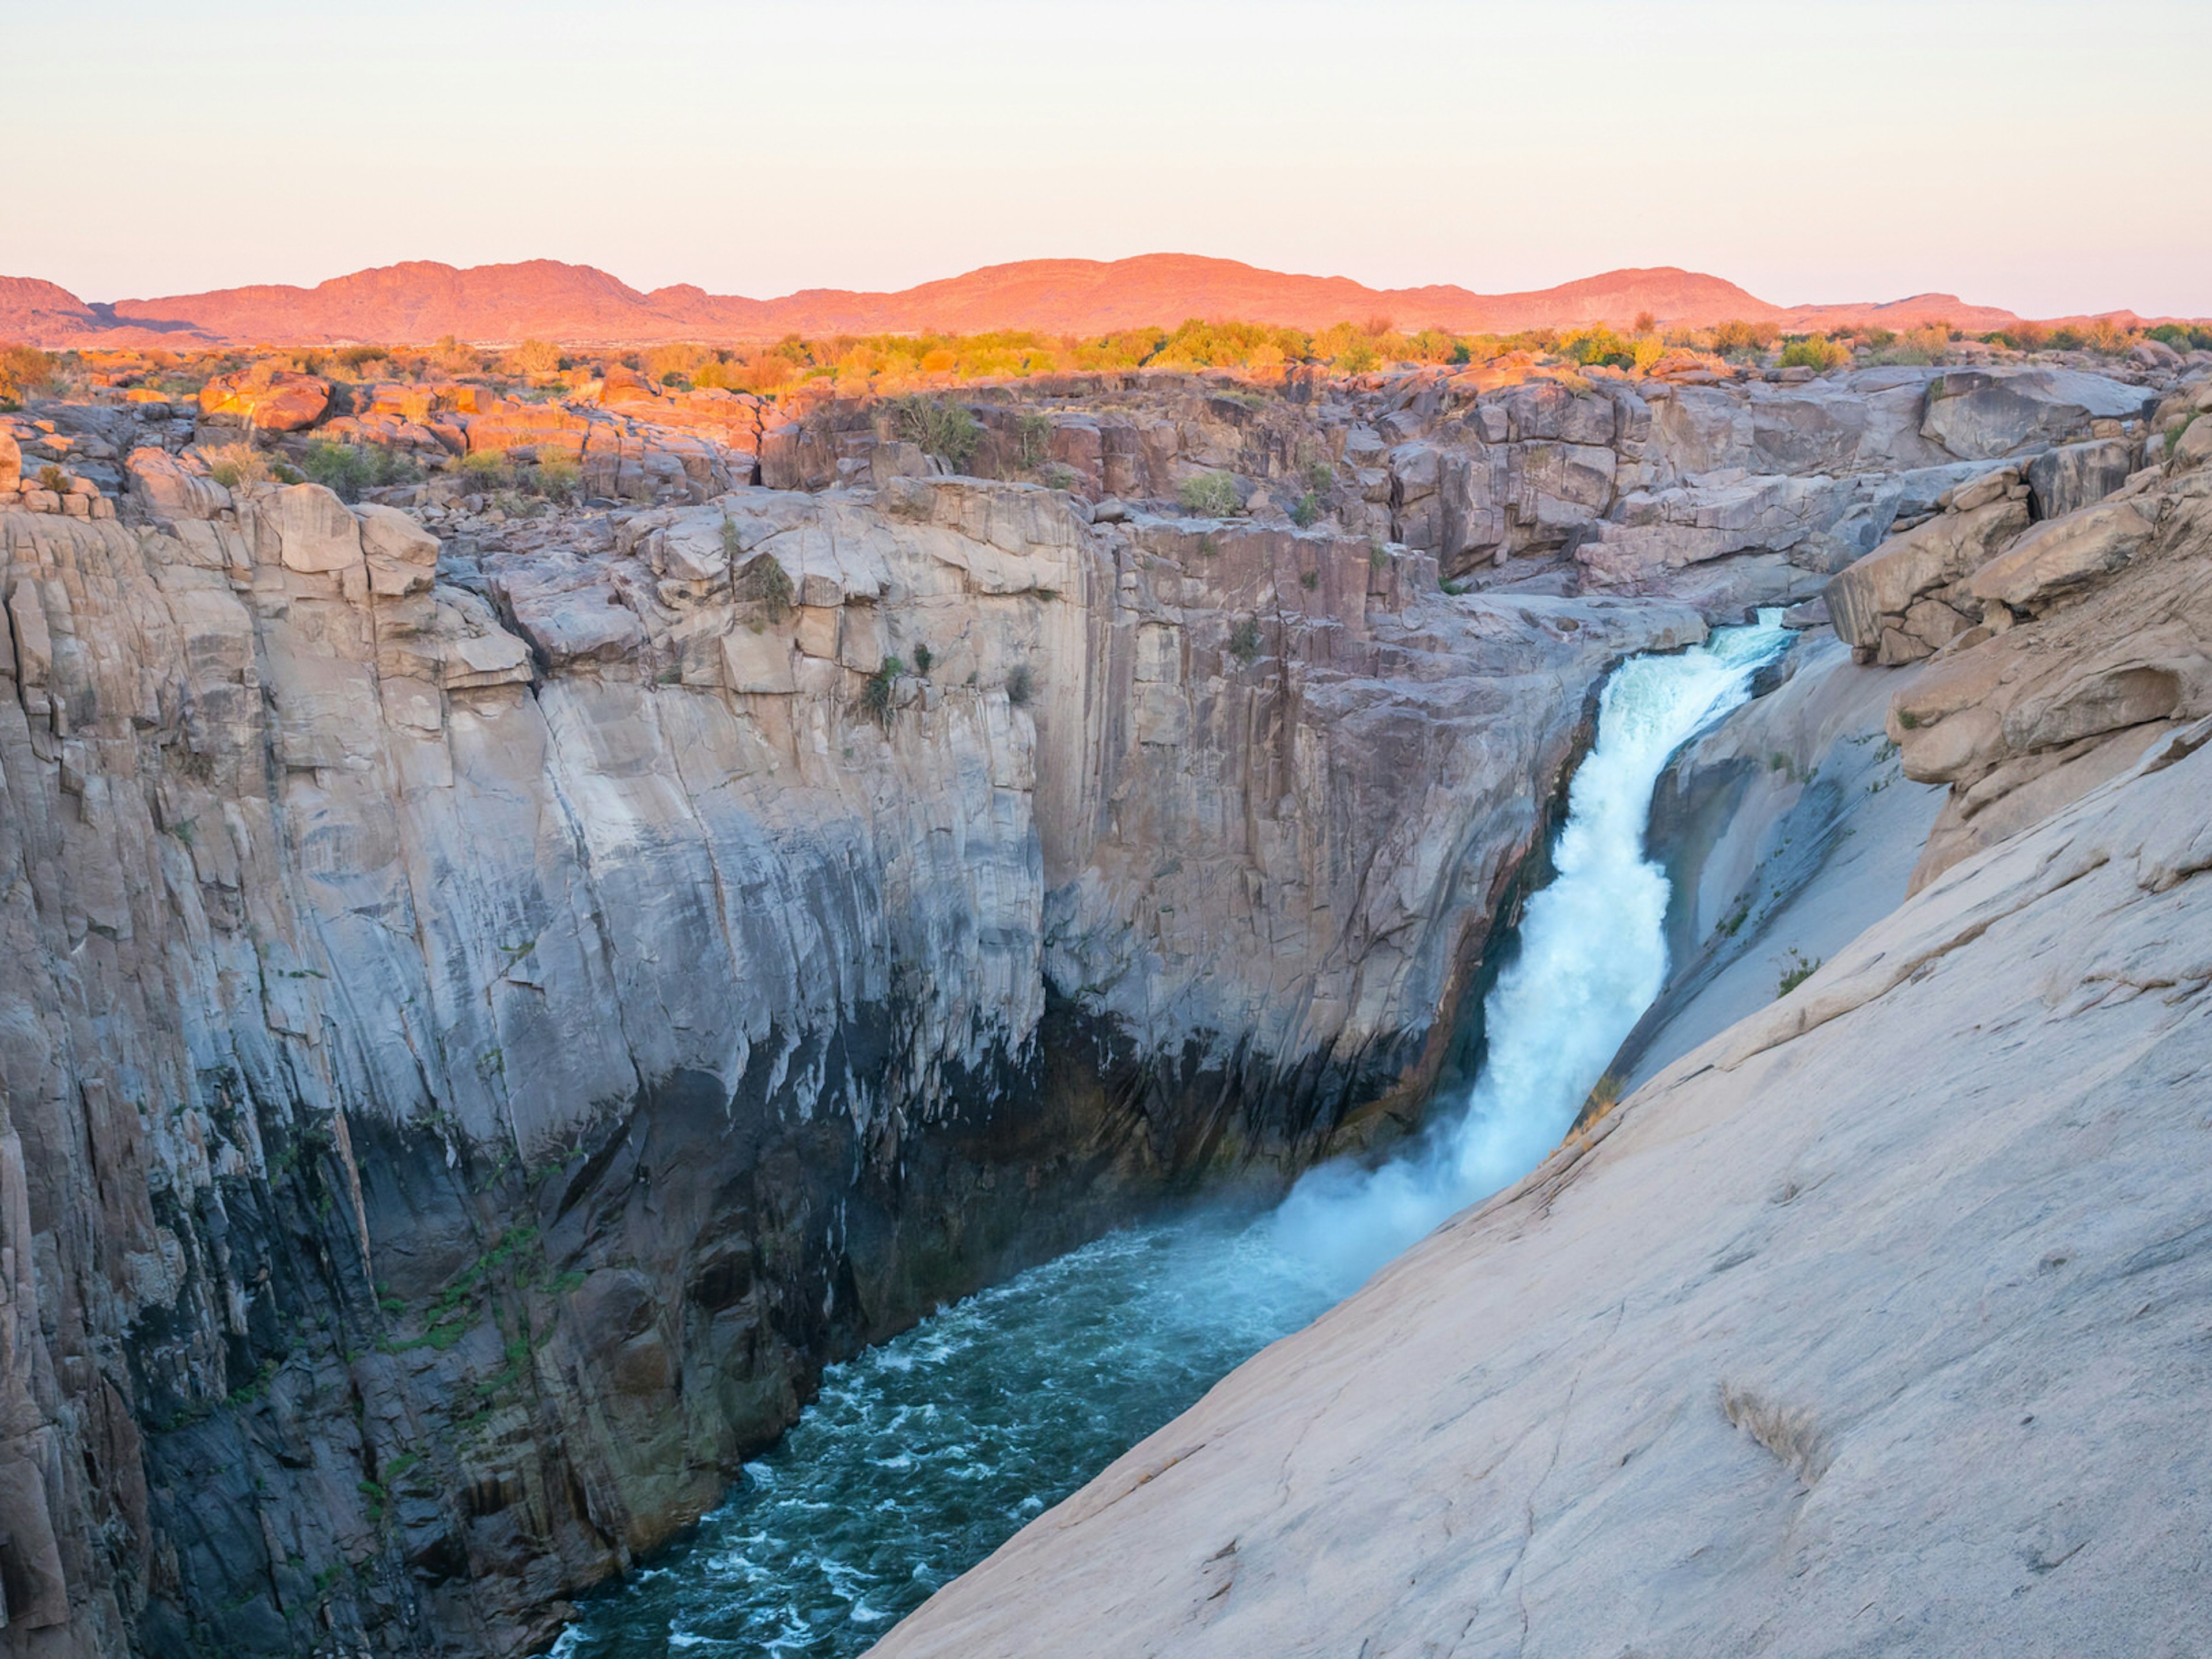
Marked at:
<point>1592,956</point>
<point>924,1453</point>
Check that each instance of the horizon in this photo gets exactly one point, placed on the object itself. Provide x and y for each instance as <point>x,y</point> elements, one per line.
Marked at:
<point>642,289</point>
<point>759,153</point>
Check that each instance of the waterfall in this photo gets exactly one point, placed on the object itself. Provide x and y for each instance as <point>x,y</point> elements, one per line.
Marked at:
<point>925,1454</point>
<point>1593,956</point>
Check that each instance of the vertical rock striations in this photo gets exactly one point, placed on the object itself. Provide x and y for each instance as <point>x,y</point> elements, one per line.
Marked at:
<point>479,1033</point>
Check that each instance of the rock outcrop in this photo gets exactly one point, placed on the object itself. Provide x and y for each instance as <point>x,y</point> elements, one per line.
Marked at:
<point>496,996</point>
<point>486,1022</point>
<point>1909,1360</point>
<point>1874,1323</point>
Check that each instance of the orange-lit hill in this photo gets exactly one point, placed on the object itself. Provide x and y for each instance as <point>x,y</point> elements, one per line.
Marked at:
<point>422,300</point>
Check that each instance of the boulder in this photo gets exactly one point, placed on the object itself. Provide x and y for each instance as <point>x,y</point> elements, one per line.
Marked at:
<point>403,557</point>
<point>308,529</point>
<point>161,488</point>
<point>584,624</point>
<point>1981,413</point>
<point>1870,601</point>
<point>2061,555</point>
<point>2066,479</point>
<point>272,401</point>
<point>11,463</point>
<point>758,663</point>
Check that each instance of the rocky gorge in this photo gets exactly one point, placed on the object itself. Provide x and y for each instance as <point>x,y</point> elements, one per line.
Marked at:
<point>494,1002</point>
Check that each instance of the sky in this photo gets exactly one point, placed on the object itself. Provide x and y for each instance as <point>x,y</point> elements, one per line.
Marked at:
<point>2046,155</point>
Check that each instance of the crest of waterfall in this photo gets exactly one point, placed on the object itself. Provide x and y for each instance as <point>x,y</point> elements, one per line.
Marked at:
<point>925,1454</point>
<point>1592,956</point>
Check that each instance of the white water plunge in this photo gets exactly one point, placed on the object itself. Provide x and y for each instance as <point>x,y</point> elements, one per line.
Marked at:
<point>925,1454</point>
<point>1593,956</point>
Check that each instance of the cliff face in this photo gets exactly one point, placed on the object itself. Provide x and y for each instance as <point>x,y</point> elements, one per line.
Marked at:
<point>1872,1323</point>
<point>484,1019</point>
<point>479,1035</point>
<point>1799,1356</point>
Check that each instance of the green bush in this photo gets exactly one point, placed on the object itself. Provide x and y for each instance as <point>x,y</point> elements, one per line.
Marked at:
<point>945,430</point>
<point>876,695</point>
<point>764,581</point>
<point>1245,641</point>
<point>1021,685</point>
<point>1032,439</point>
<point>1816,352</point>
<point>1800,969</point>
<point>1209,495</point>
<point>1307,510</point>
<point>922,658</point>
<point>347,469</point>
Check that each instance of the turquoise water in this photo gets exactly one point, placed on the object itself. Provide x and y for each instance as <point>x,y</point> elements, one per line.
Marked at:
<point>924,1455</point>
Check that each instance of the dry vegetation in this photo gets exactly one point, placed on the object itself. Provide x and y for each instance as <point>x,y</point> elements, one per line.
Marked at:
<point>895,364</point>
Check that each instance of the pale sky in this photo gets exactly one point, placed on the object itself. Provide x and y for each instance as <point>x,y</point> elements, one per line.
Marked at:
<point>2048,155</point>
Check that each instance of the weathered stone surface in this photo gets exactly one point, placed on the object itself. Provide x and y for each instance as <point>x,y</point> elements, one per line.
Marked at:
<point>1868,1308</point>
<point>2075,476</point>
<point>270,400</point>
<point>1981,413</point>
<point>308,529</point>
<point>546,961</point>
<point>401,555</point>
<point>1871,602</point>
<point>161,488</point>
<point>2062,555</point>
<point>11,463</point>
<point>2028,717</point>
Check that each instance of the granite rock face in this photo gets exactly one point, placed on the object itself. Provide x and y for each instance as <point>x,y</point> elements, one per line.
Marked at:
<point>1874,1324</point>
<point>493,1003</point>
<point>1732,492</point>
<point>483,1025</point>
<point>1871,1320</point>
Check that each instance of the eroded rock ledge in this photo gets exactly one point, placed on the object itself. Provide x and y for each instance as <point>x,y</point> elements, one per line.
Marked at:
<point>487,1013</point>
<point>480,1043</point>
<point>1873,1323</point>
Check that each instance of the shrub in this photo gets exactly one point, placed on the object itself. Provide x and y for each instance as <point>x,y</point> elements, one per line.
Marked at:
<point>23,370</point>
<point>1021,685</point>
<point>1736,334</point>
<point>1209,496</point>
<point>764,581</point>
<point>922,658</point>
<point>945,430</point>
<point>560,477</point>
<point>1598,345</point>
<point>1320,474</point>
<point>346,470</point>
<point>1309,579</point>
<point>53,478</point>
<point>1059,476</point>
<point>1816,352</point>
<point>1378,556</point>
<point>1245,641</point>
<point>876,695</point>
<point>1032,439</point>
<point>1307,510</point>
<point>1800,968</point>
<point>232,465</point>
<point>486,469</point>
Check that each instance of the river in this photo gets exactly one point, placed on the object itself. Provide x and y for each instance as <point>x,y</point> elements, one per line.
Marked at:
<point>923,1454</point>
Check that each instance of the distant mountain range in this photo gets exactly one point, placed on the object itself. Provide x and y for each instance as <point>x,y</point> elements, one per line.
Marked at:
<point>422,300</point>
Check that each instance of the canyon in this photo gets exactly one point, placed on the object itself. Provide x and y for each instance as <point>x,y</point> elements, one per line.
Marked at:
<point>496,1000</point>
